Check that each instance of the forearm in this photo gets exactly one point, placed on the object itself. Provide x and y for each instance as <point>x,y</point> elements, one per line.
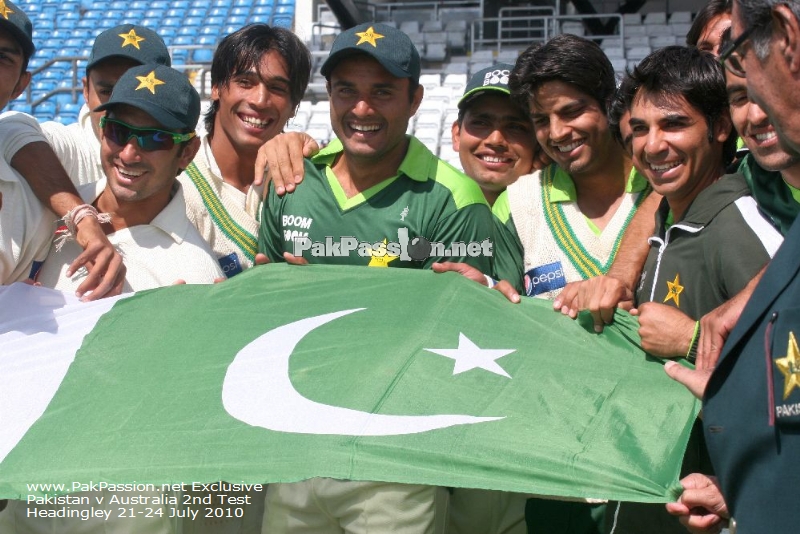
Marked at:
<point>38,164</point>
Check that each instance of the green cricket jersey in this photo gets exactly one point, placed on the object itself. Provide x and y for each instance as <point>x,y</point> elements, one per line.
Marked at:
<point>508,258</point>
<point>381,226</point>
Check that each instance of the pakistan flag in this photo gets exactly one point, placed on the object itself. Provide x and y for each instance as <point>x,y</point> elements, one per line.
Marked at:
<point>285,373</point>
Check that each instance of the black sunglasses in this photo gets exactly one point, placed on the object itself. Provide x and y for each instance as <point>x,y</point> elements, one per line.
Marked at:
<point>149,139</point>
<point>731,59</point>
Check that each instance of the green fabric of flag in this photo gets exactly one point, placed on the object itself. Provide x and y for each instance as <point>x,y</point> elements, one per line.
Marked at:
<point>542,404</point>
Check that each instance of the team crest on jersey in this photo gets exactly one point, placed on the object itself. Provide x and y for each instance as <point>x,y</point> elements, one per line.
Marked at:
<point>544,278</point>
<point>786,367</point>
<point>674,290</point>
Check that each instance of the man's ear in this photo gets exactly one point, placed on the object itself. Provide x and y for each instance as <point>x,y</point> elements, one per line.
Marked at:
<point>417,100</point>
<point>723,127</point>
<point>189,151</point>
<point>454,131</point>
<point>787,30</point>
<point>22,83</point>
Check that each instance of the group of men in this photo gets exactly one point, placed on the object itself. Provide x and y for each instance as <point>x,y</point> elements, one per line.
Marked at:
<point>569,177</point>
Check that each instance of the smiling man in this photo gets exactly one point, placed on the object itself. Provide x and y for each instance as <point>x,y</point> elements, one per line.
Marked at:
<point>495,143</point>
<point>710,238</point>
<point>571,214</point>
<point>258,77</point>
<point>147,138</point>
<point>370,187</point>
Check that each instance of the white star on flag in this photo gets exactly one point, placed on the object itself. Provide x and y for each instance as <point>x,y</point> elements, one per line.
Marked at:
<point>469,356</point>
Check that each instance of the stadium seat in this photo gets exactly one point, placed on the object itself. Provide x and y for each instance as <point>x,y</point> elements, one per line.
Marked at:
<point>240,11</point>
<point>282,21</point>
<point>197,12</point>
<point>45,110</point>
<point>174,22</point>
<point>237,20</point>
<point>208,39</point>
<point>202,55</point>
<point>432,26</point>
<point>429,81</point>
<point>456,82</point>
<point>176,12</point>
<point>680,17</point>
<point>658,17</point>
<point>154,14</point>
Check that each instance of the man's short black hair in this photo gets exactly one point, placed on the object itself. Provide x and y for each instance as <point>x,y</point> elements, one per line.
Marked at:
<point>757,14</point>
<point>565,58</point>
<point>241,50</point>
<point>681,71</point>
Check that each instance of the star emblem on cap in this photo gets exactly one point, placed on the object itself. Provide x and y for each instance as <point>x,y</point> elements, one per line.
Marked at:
<point>675,289</point>
<point>5,10</point>
<point>368,36</point>
<point>790,367</point>
<point>130,38</point>
<point>149,82</point>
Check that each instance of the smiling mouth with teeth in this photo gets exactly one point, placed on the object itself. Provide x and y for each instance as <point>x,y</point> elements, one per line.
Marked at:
<point>495,159</point>
<point>129,174</point>
<point>252,121</point>
<point>664,167</point>
<point>365,127</point>
<point>570,147</point>
<point>765,136</point>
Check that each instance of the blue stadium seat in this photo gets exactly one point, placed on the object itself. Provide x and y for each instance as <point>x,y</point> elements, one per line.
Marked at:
<point>200,4</point>
<point>93,15</point>
<point>237,20</point>
<point>184,40</point>
<point>168,34</point>
<point>154,14</point>
<point>210,30</point>
<point>194,21</point>
<point>218,13</point>
<point>221,3</point>
<point>120,5</point>
<point>262,10</point>
<point>181,4</point>
<point>188,30</point>
<point>76,42</point>
<point>159,4</point>
<point>86,24</point>
<point>71,108</point>
<point>138,5</point>
<point>230,28</point>
<point>44,86</point>
<point>151,22</point>
<point>45,111</point>
<point>176,13</point>
<point>243,3</point>
<point>283,21</point>
<point>198,12</point>
<point>284,10</point>
<point>174,22</point>
<point>202,55</point>
<point>180,56</point>
<point>208,39</point>
<point>241,11</point>
<point>23,107</point>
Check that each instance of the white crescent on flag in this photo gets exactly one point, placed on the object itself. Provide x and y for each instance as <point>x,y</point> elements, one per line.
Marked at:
<point>258,391</point>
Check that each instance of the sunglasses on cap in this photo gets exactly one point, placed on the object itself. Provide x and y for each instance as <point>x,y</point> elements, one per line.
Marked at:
<point>149,139</point>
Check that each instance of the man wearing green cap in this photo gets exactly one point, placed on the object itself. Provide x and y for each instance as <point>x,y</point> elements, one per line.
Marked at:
<point>147,139</point>
<point>372,186</point>
<point>25,224</point>
<point>494,138</point>
<point>77,145</point>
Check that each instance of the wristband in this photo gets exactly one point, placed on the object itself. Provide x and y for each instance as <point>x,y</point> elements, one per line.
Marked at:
<point>491,282</point>
<point>692,354</point>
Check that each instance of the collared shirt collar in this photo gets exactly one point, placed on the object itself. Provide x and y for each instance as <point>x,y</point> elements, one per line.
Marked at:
<point>563,188</point>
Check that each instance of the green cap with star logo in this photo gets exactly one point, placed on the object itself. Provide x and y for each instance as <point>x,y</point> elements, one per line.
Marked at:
<point>392,48</point>
<point>17,23</point>
<point>494,78</point>
<point>129,41</point>
<point>160,91</point>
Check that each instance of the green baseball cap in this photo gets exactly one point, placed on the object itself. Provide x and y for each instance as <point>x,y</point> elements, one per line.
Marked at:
<point>129,41</point>
<point>494,78</point>
<point>389,46</point>
<point>160,91</point>
<point>17,23</point>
